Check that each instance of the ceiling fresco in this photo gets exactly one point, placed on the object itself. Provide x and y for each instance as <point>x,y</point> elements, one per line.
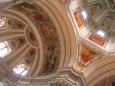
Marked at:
<point>16,43</point>
<point>14,24</point>
<point>20,40</point>
<point>98,7</point>
<point>101,7</point>
<point>31,37</point>
<point>95,26</point>
<point>86,53</point>
<point>48,33</point>
<point>25,45</point>
<point>105,21</point>
<point>86,56</point>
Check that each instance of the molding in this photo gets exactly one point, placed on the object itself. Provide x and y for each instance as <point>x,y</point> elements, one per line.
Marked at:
<point>68,75</point>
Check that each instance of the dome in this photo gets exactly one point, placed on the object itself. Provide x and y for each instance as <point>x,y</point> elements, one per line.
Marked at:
<point>28,35</point>
<point>57,42</point>
<point>33,41</point>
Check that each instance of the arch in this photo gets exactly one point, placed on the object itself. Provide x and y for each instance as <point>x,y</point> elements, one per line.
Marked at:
<point>100,70</point>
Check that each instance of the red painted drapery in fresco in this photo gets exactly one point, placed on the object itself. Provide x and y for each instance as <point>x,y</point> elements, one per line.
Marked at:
<point>78,18</point>
<point>97,40</point>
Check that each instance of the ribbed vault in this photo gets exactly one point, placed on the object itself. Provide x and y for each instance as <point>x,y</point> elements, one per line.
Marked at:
<point>43,36</point>
<point>38,37</point>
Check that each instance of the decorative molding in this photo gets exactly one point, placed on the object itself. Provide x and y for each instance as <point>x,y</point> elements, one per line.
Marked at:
<point>65,77</point>
<point>65,3</point>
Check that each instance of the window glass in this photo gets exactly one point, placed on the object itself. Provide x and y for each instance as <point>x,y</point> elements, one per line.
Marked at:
<point>21,69</point>
<point>1,84</point>
<point>101,33</point>
<point>24,73</point>
<point>2,45</point>
<point>4,49</point>
<point>3,52</point>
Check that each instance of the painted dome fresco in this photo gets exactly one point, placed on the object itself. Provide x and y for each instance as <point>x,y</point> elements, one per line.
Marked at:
<point>33,39</point>
<point>27,37</point>
<point>39,39</point>
<point>34,43</point>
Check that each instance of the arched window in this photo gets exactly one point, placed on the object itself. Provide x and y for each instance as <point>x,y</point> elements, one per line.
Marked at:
<point>21,69</point>
<point>4,49</point>
<point>1,83</point>
<point>2,21</point>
